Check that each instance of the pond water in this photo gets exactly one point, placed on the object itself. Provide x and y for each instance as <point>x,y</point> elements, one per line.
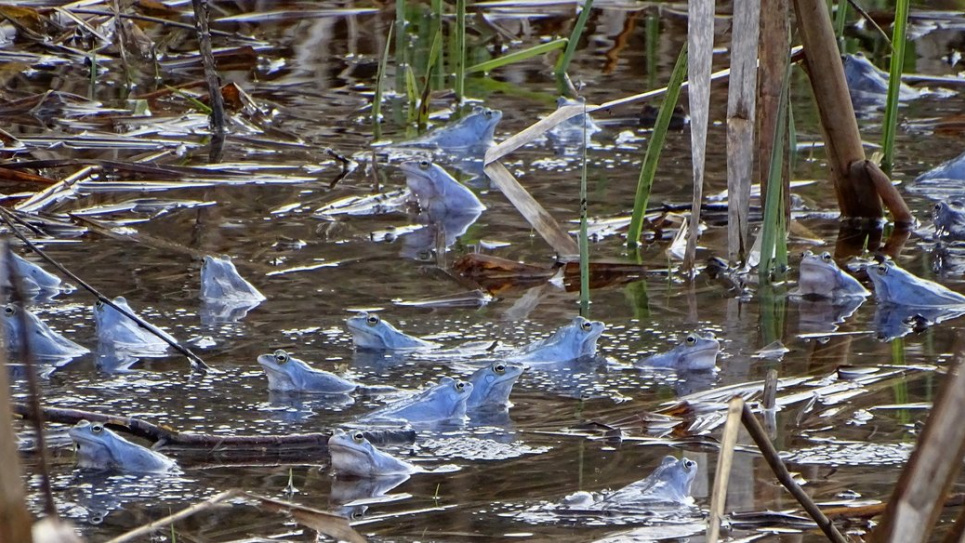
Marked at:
<point>313,77</point>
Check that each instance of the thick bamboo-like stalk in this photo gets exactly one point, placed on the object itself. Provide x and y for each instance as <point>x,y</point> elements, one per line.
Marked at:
<point>919,496</point>
<point>857,197</point>
<point>724,462</point>
<point>740,125</point>
<point>773,64</point>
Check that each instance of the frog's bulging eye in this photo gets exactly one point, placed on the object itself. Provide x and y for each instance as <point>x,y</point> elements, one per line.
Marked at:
<point>691,339</point>
<point>689,464</point>
<point>281,356</point>
<point>373,320</point>
<point>460,386</point>
<point>9,310</point>
<point>488,113</point>
<point>586,326</point>
<point>358,437</point>
<point>424,164</point>
<point>499,368</point>
<point>881,269</point>
<point>99,304</point>
<point>97,428</point>
<point>826,256</point>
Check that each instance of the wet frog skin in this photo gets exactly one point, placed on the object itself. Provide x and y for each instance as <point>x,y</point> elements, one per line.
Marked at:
<point>44,342</point>
<point>820,277</point>
<point>894,285</point>
<point>371,332</point>
<point>353,455</point>
<point>492,385</point>
<point>288,374</point>
<point>438,193</point>
<point>445,401</point>
<point>697,352</point>
<point>100,448</point>
<point>575,340</point>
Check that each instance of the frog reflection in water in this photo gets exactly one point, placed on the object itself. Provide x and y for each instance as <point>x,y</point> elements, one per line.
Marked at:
<point>697,352</point>
<point>492,385</point>
<point>118,332</point>
<point>354,456</point>
<point>288,374</point>
<point>100,448</point>
<point>573,341</point>
<point>893,285</point>
<point>370,332</point>
<point>950,219</point>
<point>44,342</point>
<point>438,192</point>
<point>820,277</point>
<point>445,401</point>
<point>471,134</point>
<point>669,484</point>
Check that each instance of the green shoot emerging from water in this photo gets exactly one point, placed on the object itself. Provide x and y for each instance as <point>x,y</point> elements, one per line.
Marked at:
<point>649,168</point>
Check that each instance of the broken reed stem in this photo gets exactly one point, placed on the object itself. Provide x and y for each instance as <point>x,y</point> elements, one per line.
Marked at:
<point>725,461</point>
<point>146,529</point>
<point>218,121</point>
<point>784,476</point>
<point>15,524</point>
<point>195,360</point>
<point>26,352</point>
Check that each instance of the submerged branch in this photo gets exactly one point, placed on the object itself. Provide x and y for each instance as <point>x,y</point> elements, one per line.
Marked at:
<point>169,437</point>
<point>784,476</point>
<point>196,361</point>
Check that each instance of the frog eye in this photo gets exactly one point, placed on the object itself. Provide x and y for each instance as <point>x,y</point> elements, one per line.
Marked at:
<point>424,164</point>
<point>488,113</point>
<point>99,304</point>
<point>691,339</point>
<point>358,437</point>
<point>9,310</point>
<point>881,269</point>
<point>826,256</point>
<point>938,206</point>
<point>688,463</point>
<point>499,368</point>
<point>459,385</point>
<point>97,427</point>
<point>586,326</point>
<point>281,356</point>
<point>373,320</point>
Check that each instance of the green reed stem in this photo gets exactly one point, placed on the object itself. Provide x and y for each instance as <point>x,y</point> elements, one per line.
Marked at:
<point>460,50</point>
<point>649,168</point>
<point>652,41</point>
<point>518,56</point>
<point>584,238</point>
<point>400,33</point>
<point>564,62</point>
<point>379,77</point>
<point>840,19</point>
<point>894,83</point>
<point>435,52</point>
<point>439,75</point>
<point>773,228</point>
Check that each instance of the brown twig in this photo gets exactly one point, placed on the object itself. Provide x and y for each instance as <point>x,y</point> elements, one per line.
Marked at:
<point>195,360</point>
<point>724,462</point>
<point>218,121</point>
<point>173,438</point>
<point>784,476</point>
<point>146,529</point>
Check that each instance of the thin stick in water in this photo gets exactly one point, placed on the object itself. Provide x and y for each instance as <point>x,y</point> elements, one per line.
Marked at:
<point>195,360</point>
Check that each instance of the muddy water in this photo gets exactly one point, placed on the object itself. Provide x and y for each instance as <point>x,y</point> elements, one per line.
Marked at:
<point>494,478</point>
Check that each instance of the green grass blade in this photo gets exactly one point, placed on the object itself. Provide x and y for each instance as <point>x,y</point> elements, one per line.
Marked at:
<point>649,168</point>
<point>379,76</point>
<point>773,206</point>
<point>564,63</point>
<point>439,75</point>
<point>460,85</point>
<point>890,123</point>
<point>434,53</point>
<point>518,56</point>
<point>840,19</point>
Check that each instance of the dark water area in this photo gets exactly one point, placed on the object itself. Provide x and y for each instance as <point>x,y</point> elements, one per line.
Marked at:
<point>314,77</point>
